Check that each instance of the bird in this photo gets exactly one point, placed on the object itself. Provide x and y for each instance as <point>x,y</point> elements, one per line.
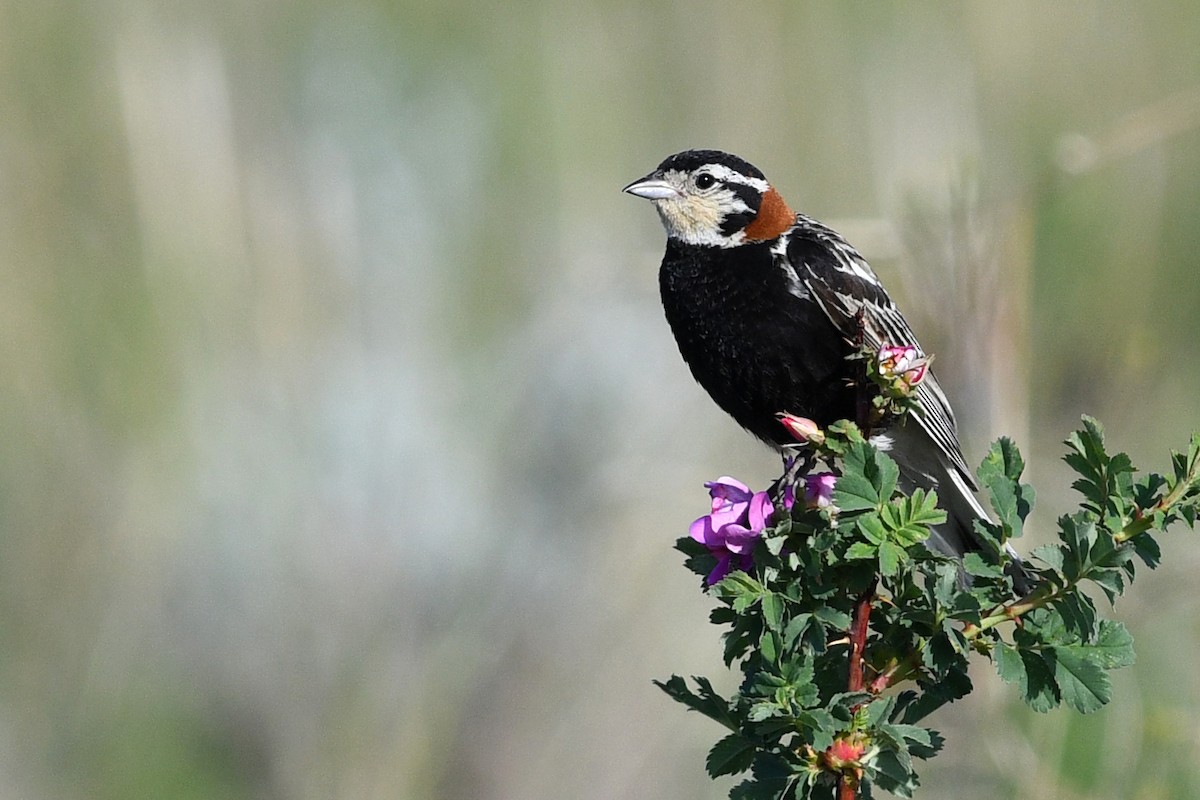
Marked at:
<point>768,306</point>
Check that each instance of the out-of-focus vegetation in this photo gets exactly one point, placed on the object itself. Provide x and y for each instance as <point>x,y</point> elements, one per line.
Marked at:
<point>338,419</point>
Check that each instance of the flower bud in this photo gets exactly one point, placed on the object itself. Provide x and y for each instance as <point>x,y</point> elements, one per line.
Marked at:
<point>904,365</point>
<point>802,429</point>
<point>844,753</point>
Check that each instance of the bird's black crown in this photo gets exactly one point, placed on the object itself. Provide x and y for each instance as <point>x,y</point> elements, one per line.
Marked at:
<point>690,160</point>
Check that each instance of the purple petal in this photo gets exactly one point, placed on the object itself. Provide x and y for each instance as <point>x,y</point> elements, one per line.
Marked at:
<point>726,484</point>
<point>723,568</point>
<point>730,514</point>
<point>726,490</point>
<point>761,510</point>
<point>818,489</point>
<point>737,538</point>
<point>702,530</point>
<point>730,499</point>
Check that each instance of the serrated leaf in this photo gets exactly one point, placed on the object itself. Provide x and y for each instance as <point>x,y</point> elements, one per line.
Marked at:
<point>861,550</point>
<point>872,528</point>
<point>907,519</point>
<point>1049,554</point>
<point>1009,665</point>
<point>1039,689</point>
<point>772,776</point>
<point>1111,649</point>
<point>1082,681</point>
<point>769,646</point>
<point>1078,534</point>
<point>945,587</point>
<point>868,479</point>
<point>912,733</point>
<point>820,725</point>
<point>772,608</point>
<point>1078,614</point>
<point>893,775</point>
<point>1147,549</point>
<point>794,629</point>
<point>707,701</point>
<point>764,710</point>
<point>731,755</point>
<point>1110,581</point>
<point>891,555</point>
<point>973,564</point>
<point>1000,475</point>
<point>954,685</point>
<point>740,638</point>
<point>877,711</point>
<point>839,620</point>
<point>740,589</point>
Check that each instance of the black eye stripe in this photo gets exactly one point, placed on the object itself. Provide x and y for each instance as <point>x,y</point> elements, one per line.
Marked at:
<point>747,194</point>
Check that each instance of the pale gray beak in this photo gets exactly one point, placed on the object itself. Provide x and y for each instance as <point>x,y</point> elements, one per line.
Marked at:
<point>652,188</point>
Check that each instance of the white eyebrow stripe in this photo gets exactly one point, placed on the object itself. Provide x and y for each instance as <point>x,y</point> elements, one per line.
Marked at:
<point>724,173</point>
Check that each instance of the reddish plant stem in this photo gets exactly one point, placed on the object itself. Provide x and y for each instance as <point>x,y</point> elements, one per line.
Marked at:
<point>860,623</point>
<point>858,638</point>
<point>847,785</point>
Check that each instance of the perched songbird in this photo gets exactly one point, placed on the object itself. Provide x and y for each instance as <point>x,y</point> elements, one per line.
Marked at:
<point>767,304</point>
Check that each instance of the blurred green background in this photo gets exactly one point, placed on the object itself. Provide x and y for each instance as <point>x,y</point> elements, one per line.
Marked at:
<point>344,444</point>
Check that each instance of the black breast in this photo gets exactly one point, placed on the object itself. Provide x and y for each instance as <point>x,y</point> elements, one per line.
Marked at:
<point>757,348</point>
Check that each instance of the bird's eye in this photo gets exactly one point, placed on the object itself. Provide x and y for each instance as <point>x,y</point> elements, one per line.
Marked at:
<point>704,180</point>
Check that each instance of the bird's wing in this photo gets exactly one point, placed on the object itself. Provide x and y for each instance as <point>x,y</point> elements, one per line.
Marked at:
<point>841,282</point>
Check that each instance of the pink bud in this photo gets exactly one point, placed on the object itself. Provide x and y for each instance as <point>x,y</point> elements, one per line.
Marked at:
<point>843,753</point>
<point>802,428</point>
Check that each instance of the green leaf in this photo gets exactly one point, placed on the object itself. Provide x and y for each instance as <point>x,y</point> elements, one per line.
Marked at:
<point>1038,687</point>
<point>871,526</point>
<point>973,564</point>
<point>707,701</point>
<point>794,629</point>
<point>907,519</point>
<point>1050,554</point>
<point>868,479</point>
<point>1078,533</point>
<point>820,725</point>
<point>892,774</point>
<point>769,645</point>
<point>860,550</point>
<point>891,555</point>
<point>772,608</point>
<point>741,589</point>
<point>1081,679</point>
<point>1000,475</point>
<point>772,776</point>
<point>838,620</point>
<point>731,755</point>
<point>1009,665</point>
<point>700,559</point>
<point>951,687</point>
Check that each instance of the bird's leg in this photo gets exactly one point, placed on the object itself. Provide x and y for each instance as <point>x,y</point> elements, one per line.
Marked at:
<point>862,401</point>
<point>797,462</point>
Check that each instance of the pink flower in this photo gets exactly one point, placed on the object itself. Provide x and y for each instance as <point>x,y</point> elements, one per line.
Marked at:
<point>818,489</point>
<point>802,428</point>
<point>738,518</point>
<point>904,365</point>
